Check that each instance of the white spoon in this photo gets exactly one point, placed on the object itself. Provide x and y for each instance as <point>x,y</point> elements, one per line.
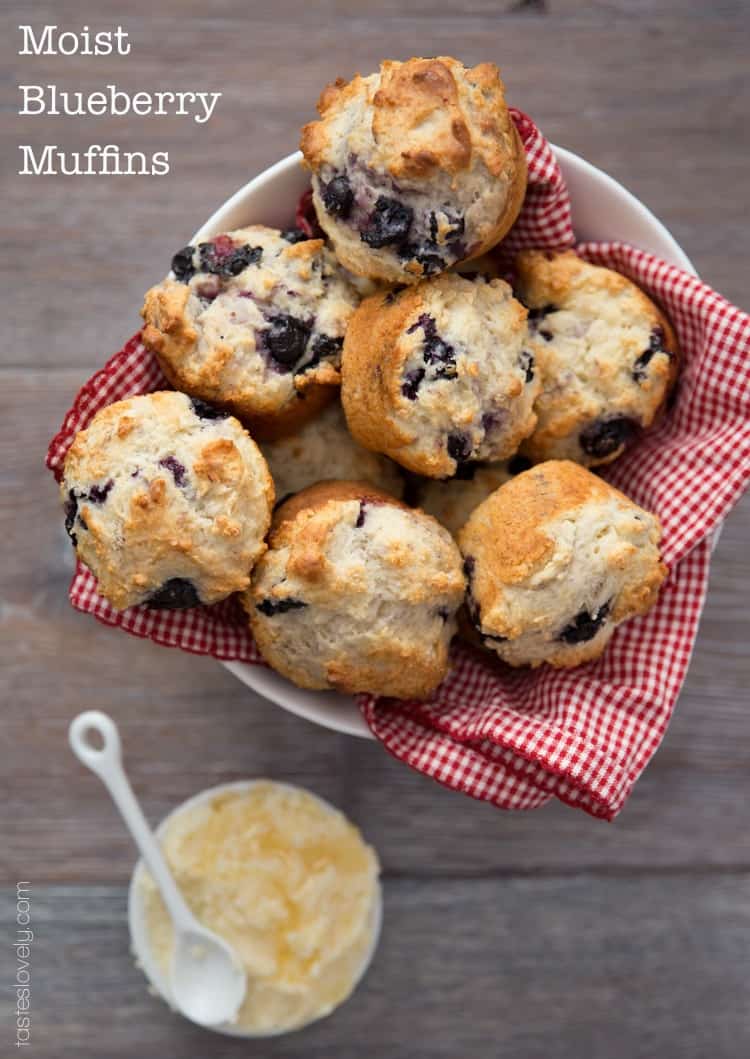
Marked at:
<point>207,982</point>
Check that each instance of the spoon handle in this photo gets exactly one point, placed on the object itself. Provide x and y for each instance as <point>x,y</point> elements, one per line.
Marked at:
<point>106,763</point>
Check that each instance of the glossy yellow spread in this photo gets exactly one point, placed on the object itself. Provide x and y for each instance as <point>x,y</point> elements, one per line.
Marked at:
<point>289,883</point>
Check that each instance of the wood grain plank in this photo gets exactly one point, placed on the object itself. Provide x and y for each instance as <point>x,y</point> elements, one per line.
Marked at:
<point>623,968</point>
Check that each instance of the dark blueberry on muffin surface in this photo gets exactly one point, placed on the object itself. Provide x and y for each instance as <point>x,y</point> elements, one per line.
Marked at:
<point>412,382</point>
<point>175,594</point>
<point>294,235</point>
<point>657,338</point>
<point>213,255</point>
<point>527,365</point>
<point>325,347</point>
<point>271,607</point>
<point>204,410</point>
<point>656,345</point>
<point>604,436</point>
<point>472,606</point>
<point>585,626</point>
<point>442,357</point>
<point>459,447</point>
<point>222,258</point>
<point>457,226</point>
<point>97,494</point>
<point>389,223</point>
<point>427,256</point>
<point>286,339</point>
<point>71,510</point>
<point>393,294</point>
<point>535,318</point>
<point>427,323</point>
<point>539,314</point>
<point>361,514</point>
<point>492,420</point>
<point>182,264</point>
<point>176,469</point>
<point>243,257</point>
<point>436,352</point>
<point>338,197</point>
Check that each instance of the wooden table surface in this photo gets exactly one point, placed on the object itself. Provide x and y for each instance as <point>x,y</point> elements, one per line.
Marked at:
<point>544,934</point>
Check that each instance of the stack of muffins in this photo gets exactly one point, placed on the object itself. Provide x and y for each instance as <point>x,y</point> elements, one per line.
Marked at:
<point>426,430</point>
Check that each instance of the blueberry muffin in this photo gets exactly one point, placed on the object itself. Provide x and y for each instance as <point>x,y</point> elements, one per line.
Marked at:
<point>322,449</point>
<point>253,321</point>
<point>607,357</point>
<point>167,501</point>
<point>452,500</point>
<point>356,592</point>
<point>555,559</point>
<point>439,374</point>
<point>415,167</point>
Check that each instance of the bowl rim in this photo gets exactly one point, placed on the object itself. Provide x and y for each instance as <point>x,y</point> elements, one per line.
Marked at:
<point>139,938</point>
<point>569,161</point>
<point>330,709</point>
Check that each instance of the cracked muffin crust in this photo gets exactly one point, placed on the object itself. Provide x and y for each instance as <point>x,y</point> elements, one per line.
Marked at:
<point>440,374</point>
<point>167,501</point>
<point>607,357</point>
<point>253,321</point>
<point>415,167</point>
<point>323,449</point>
<point>555,559</point>
<point>356,592</point>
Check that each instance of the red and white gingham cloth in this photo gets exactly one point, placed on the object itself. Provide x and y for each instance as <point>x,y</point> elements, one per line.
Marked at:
<point>515,737</point>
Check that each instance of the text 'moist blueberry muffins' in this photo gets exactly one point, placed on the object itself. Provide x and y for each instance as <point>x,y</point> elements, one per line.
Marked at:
<point>323,449</point>
<point>606,354</point>
<point>167,501</point>
<point>253,321</point>
<point>439,374</point>
<point>415,167</point>
<point>555,559</point>
<point>357,592</point>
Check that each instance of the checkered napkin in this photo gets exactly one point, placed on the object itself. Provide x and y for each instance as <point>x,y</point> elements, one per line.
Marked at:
<point>514,737</point>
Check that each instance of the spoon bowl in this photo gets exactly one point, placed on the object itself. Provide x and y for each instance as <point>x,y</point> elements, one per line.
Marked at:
<point>208,986</point>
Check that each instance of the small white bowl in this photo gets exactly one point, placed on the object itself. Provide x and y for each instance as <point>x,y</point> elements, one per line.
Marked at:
<point>602,210</point>
<point>139,936</point>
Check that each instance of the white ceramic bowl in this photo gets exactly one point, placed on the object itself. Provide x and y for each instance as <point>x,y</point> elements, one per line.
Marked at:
<point>139,938</point>
<point>602,209</point>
